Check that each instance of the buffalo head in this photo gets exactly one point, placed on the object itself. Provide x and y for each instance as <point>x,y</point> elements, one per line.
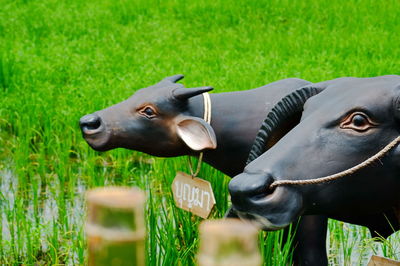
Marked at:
<point>343,122</point>
<point>155,120</point>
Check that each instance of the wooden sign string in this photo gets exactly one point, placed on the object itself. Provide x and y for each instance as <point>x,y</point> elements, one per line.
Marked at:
<point>191,193</point>
<point>207,118</point>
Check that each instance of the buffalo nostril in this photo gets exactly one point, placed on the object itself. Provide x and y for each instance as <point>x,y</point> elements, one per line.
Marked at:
<point>251,186</point>
<point>90,122</point>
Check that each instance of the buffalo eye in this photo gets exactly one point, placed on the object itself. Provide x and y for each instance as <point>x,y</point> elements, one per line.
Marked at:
<point>148,112</point>
<point>358,121</point>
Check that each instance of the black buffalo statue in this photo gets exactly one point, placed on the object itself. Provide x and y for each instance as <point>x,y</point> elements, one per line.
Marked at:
<point>343,122</point>
<point>166,120</point>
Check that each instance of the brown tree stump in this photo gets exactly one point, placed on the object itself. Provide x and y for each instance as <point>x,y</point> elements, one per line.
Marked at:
<point>228,242</point>
<point>381,261</point>
<point>115,226</point>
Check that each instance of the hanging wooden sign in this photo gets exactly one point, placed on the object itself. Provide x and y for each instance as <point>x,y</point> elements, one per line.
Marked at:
<point>193,194</point>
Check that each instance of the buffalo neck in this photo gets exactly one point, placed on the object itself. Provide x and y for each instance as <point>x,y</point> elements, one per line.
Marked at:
<point>235,118</point>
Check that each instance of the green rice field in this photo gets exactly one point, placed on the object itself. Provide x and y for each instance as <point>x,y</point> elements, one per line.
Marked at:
<point>60,60</point>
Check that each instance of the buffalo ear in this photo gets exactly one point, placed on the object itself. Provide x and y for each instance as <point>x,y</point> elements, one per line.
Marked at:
<point>196,133</point>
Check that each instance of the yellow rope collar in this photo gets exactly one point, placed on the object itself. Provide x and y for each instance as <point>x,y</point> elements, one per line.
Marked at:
<point>207,118</point>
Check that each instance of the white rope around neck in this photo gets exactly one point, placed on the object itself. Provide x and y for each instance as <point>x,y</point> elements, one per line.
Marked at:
<point>207,118</point>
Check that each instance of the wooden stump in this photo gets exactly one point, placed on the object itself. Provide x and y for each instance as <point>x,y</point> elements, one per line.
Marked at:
<point>381,261</point>
<point>115,226</point>
<point>228,242</point>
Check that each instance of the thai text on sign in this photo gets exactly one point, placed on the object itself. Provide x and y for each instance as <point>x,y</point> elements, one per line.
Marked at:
<point>193,194</point>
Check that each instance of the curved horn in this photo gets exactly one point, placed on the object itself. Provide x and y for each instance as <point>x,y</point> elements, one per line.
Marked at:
<point>287,107</point>
<point>186,93</point>
<point>174,78</point>
<point>396,106</point>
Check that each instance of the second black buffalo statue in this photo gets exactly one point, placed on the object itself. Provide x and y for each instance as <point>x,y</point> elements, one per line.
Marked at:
<point>343,122</point>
